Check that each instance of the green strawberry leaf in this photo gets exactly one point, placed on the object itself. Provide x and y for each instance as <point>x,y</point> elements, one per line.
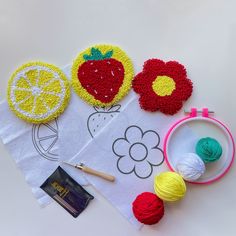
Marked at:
<point>108,54</point>
<point>87,57</point>
<point>96,55</point>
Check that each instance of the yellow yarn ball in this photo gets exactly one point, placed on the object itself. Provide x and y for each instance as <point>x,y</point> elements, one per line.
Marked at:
<point>169,186</point>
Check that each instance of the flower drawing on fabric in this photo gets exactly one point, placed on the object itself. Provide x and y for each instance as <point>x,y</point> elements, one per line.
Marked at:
<point>162,86</point>
<point>138,152</point>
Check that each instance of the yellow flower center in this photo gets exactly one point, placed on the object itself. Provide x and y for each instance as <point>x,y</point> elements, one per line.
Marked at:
<point>163,86</point>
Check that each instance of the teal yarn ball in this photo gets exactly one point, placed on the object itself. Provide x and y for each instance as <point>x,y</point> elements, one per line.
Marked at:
<point>209,149</point>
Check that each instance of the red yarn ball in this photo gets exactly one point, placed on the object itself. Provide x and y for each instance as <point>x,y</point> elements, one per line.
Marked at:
<point>148,208</point>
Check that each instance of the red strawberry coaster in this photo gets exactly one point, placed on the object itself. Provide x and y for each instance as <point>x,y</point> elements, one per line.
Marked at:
<point>102,75</point>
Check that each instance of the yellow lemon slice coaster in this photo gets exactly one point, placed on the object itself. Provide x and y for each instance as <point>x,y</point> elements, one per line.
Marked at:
<point>38,92</point>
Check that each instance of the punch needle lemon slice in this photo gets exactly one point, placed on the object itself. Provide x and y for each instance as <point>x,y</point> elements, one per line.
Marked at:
<point>38,92</point>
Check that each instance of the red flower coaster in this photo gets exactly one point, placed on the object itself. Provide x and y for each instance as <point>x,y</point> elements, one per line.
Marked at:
<point>162,86</point>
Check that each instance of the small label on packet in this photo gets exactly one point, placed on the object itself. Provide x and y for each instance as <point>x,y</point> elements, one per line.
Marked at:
<point>67,192</point>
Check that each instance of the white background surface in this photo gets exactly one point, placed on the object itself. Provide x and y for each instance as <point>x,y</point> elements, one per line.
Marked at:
<point>201,34</point>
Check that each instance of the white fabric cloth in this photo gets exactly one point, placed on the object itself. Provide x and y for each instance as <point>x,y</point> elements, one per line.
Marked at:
<point>33,147</point>
<point>81,123</point>
<point>38,149</point>
<point>122,140</point>
<point>130,148</point>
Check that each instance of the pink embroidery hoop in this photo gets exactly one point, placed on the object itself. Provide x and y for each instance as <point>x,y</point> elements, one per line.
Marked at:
<point>228,148</point>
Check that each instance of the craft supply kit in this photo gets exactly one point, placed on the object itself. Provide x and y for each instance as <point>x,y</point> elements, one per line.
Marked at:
<point>83,124</point>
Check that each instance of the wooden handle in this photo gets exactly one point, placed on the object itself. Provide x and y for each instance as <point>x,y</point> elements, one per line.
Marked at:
<point>98,173</point>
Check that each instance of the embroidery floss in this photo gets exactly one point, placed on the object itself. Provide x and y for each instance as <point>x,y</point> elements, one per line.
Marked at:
<point>190,167</point>
<point>169,186</point>
<point>148,208</point>
<point>209,149</point>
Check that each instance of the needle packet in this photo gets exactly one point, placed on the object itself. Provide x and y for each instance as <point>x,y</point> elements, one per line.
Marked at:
<point>67,192</point>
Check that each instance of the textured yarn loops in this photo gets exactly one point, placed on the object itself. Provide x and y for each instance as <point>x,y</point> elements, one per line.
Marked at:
<point>162,86</point>
<point>148,208</point>
<point>169,186</point>
<point>190,167</point>
<point>102,75</point>
<point>38,92</point>
<point>209,149</point>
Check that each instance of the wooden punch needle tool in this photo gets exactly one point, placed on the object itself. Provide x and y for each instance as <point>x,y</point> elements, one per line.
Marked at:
<point>91,171</point>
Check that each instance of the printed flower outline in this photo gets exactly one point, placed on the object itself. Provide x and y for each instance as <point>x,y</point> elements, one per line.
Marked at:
<point>162,86</point>
<point>138,152</point>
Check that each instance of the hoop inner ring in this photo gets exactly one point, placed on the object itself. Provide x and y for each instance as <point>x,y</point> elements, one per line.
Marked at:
<point>200,127</point>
